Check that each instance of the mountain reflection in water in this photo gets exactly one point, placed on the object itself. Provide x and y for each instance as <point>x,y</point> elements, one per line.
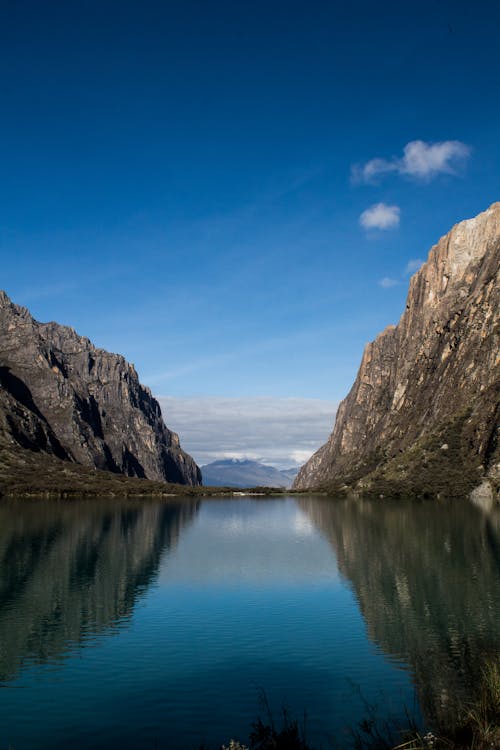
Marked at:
<point>142,624</point>
<point>68,571</point>
<point>427,579</point>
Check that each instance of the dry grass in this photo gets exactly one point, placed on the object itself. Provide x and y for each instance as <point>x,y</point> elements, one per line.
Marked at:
<point>482,718</point>
<point>478,728</point>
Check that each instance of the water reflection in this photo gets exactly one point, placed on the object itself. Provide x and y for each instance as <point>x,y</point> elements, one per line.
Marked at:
<point>70,570</point>
<point>427,578</point>
<point>251,597</point>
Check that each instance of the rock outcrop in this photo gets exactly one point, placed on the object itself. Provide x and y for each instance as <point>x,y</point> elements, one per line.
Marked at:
<point>62,396</point>
<point>426,398</point>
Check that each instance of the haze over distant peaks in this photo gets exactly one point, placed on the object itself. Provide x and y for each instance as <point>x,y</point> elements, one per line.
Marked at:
<point>235,472</point>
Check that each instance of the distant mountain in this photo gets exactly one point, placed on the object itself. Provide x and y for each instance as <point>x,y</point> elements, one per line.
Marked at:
<point>61,396</point>
<point>242,473</point>
<point>422,416</point>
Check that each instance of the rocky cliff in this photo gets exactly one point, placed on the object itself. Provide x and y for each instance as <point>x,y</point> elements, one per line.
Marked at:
<point>425,403</point>
<point>62,396</point>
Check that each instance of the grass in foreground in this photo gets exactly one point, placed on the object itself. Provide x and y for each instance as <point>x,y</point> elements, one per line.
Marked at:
<point>478,728</point>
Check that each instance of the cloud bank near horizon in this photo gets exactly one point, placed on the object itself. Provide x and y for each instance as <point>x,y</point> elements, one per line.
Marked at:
<point>282,432</point>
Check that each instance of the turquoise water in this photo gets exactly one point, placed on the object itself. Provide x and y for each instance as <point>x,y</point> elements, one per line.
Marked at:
<point>149,625</point>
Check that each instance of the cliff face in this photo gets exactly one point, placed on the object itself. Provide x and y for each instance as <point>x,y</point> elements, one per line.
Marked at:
<point>440,364</point>
<point>62,396</point>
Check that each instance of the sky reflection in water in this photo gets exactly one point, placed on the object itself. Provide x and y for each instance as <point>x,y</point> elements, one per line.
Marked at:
<point>132,624</point>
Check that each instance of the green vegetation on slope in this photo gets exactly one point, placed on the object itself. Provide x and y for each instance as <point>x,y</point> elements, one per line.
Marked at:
<point>441,464</point>
<point>25,473</point>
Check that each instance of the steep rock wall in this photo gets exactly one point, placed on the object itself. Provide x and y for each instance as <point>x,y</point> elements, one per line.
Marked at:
<point>439,361</point>
<point>61,395</point>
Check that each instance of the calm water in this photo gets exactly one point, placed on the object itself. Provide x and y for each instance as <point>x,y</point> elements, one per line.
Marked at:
<point>158,625</point>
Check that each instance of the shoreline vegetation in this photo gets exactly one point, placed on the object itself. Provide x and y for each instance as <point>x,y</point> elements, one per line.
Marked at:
<point>28,474</point>
<point>439,465</point>
<point>430,475</point>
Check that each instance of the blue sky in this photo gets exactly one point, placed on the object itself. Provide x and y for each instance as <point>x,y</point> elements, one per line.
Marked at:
<point>192,184</point>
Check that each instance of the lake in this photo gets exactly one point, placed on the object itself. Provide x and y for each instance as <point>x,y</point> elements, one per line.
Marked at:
<point>167,625</point>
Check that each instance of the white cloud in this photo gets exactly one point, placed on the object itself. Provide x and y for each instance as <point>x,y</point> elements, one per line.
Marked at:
<point>370,171</point>
<point>380,216</point>
<point>387,282</point>
<point>299,457</point>
<point>420,161</point>
<point>413,265</point>
<point>283,432</point>
<point>426,160</point>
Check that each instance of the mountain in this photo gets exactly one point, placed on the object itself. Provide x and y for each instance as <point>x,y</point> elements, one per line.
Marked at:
<point>61,396</point>
<point>422,416</point>
<point>243,473</point>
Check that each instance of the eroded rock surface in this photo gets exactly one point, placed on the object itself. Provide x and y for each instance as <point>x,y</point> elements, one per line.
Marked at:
<point>61,395</point>
<point>437,370</point>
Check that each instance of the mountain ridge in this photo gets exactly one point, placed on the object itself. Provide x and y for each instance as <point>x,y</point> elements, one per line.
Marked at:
<point>61,395</point>
<point>244,473</point>
<point>439,364</point>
